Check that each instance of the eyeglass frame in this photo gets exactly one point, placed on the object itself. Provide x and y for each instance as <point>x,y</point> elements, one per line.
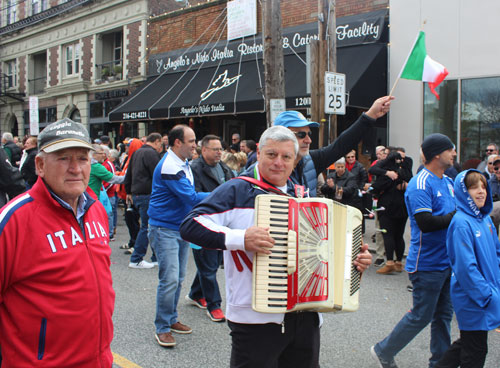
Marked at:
<point>302,134</point>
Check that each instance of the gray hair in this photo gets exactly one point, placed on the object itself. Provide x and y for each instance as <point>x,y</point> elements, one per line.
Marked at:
<point>340,161</point>
<point>105,148</point>
<point>378,148</point>
<point>492,157</point>
<point>278,133</point>
<point>8,136</point>
<point>114,153</point>
<point>97,148</point>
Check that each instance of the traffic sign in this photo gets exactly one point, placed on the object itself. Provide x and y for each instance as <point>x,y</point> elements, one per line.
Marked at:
<point>334,93</point>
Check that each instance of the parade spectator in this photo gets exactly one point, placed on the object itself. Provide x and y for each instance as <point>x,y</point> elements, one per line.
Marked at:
<point>491,149</point>
<point>106,141</point>
<point>495,179</point>
<point>391,209</point>
<point>235,143</point>
<point>361,177</point>
<point>241,157</point>
<point>230,160</point>
<point>489,173</point>
<point>12,150</point>
<point>27,164</point>
<point>430,203</point>
<point>172,198</point>
<point>56,294</point>
<point>209,172</point>
<point>258,339</point>
<point>381,153</point>
<point>341,185</point>
<point>111,189</point>
<point>164,142</point>
<point>138,185</point>
<point>474,252</point>
<point>98,173</point>
<point>131,214</point>
<point>11,180</point>
<point>250,148</point>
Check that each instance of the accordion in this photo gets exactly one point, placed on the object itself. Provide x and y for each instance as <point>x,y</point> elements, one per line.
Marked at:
<point>310,268</point>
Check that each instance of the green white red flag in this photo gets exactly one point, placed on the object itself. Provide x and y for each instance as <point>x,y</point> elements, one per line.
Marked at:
<point>419,66</point>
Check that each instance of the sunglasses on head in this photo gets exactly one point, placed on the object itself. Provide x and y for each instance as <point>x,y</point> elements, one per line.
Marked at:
<point>302,135</point>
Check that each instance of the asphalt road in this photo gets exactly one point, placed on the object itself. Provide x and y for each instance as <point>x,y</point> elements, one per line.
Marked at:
<point>345,338</point>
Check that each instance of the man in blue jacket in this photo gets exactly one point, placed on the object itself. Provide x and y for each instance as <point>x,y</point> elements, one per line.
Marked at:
<point>172,198</point>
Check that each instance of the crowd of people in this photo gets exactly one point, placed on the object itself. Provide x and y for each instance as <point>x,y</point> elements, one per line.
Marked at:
<point>179,193</point>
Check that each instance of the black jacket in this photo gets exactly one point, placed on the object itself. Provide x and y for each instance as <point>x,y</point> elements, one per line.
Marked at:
<point>139,177</point>
<point>28,169</point>
<point>349,189</point>
<point>204,179</point>
<point>360,174</point>
<point>14,153</point>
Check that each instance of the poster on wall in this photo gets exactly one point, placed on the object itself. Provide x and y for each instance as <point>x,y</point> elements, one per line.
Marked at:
<point>34,126</point>
<point>241,18</point>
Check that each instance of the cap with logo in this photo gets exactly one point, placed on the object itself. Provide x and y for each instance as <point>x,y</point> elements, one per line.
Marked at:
<point>293,119</point>
<point>64,133</point>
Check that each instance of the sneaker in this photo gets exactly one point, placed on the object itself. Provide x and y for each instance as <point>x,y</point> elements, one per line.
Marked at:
<point>200,303</point>
<point>180,328</point>
<point>125,246</point>
<point>165,339</point>
<point>129,251</point>
<point>386,270</point>
<point>155,264</point>
<point>216,315</point>
<point>381,362</point>
<point>141,264</point>
<point>378,262</point>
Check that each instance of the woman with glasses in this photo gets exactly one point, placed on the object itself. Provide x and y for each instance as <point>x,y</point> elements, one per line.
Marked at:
<point>495,178</point>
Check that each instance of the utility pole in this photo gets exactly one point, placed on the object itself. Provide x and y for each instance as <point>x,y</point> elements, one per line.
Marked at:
<point>323,58</point>
<point>274,74</point>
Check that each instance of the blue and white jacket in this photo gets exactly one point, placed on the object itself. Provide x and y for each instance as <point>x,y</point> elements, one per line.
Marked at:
<point>474,252</point>
<point>220,222</point>
<point>173,194</point>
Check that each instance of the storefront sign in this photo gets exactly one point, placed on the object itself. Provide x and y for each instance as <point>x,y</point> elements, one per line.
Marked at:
<point>352,30</point>
<point>116,93</point>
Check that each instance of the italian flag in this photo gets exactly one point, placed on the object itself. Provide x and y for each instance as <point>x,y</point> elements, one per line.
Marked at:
<point>420,66</point>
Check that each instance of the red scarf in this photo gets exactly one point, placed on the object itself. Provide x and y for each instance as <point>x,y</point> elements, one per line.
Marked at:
<point>349,166</point>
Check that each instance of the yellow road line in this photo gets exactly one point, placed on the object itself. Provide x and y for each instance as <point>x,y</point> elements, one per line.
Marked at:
<point>123,362</point>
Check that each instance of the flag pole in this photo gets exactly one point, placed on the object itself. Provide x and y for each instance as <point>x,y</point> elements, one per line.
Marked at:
<point>406,60</point>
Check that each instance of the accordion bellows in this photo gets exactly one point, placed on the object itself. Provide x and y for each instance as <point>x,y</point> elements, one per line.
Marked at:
<point>310,267</point>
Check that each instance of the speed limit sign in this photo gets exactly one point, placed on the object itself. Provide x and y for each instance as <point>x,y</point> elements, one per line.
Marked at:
<point>334,93</point>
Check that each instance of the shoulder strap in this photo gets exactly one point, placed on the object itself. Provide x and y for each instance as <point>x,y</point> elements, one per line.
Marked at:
<point>263,185</point>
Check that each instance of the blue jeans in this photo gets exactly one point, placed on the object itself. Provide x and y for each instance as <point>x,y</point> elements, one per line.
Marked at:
<point>141,203</point>
<point>172,254</point>
<point>112,220</point>
<point>205,282</point>
<point>431,304</point>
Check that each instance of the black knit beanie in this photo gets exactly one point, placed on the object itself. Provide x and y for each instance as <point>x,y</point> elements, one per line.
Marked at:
<point>434,144</point>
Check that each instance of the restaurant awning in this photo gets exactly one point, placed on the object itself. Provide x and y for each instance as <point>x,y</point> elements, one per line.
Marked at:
<point>238,88</point>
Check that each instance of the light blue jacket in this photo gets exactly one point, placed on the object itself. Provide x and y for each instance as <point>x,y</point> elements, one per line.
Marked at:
<point>474,252</point>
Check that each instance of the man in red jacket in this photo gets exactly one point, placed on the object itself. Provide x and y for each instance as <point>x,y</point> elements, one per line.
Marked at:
<point>56,295</point>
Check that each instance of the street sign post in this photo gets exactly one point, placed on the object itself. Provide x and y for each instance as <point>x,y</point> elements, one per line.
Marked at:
<point>334,93</point>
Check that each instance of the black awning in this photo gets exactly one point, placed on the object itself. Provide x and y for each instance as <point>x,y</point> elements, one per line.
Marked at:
<point>238,88</point>
<point>365,67</point>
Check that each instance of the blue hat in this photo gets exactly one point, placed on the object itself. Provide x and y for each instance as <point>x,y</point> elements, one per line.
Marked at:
<point>293,119</point>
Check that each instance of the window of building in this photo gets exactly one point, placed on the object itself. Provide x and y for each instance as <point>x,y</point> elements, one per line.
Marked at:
<point>46,115</point>
<point>72,59</point>
<point>101,109</point>
<point>109,64</point>
<point>38,6</point>
<point>11,74</point>
<point>480,113</point>
<point>441,116</point>
<point>10,11</point>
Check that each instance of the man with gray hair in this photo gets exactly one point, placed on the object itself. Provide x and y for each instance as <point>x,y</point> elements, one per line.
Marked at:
<point>225,221</point>
<point>12,150</point>
<point>55,280</point>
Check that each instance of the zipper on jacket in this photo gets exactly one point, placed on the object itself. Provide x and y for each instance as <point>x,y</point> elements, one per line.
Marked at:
<point>41,339</point>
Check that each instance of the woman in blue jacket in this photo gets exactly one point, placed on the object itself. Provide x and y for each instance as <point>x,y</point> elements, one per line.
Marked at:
<point>474,252</point>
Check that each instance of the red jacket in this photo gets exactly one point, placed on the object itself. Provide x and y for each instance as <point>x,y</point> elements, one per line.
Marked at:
<point>56,295</point>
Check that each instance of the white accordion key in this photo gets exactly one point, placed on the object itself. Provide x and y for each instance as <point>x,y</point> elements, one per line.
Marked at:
<point>292,252</point>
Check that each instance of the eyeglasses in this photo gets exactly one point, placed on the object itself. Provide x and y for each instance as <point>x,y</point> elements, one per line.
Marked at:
<point>216,149</point>
<point>302,135</point>
<point>490,163</point>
